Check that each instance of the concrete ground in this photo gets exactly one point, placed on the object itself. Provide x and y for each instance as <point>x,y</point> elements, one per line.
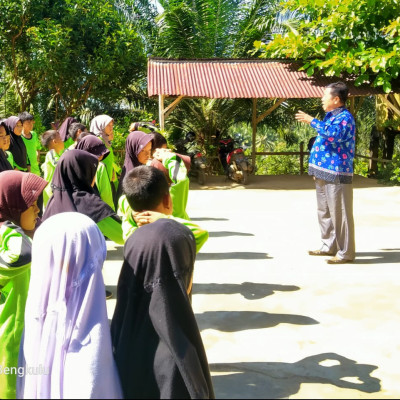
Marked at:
<point>278,323</point>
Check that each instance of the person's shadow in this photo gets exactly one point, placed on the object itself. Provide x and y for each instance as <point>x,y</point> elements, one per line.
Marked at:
<point>274,380</point>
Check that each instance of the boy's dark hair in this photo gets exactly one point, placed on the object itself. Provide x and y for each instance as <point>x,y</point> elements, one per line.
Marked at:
<point>47,137</point>
<point>145,188</point>
<point>158,140</point>
<point>25,116</point>
<point>74,128</point>
<point>339,89</point>
<point>83,134</point>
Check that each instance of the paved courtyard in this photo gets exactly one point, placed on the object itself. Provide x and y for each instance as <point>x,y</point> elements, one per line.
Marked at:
<point>278,323</point>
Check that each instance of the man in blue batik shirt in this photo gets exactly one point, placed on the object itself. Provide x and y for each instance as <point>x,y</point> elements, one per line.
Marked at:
<point>331,164</point>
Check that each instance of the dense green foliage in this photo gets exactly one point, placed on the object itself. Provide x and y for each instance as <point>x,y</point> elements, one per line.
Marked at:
<point>360,38</point>
<point>87,57</point>
<point>60,53</point>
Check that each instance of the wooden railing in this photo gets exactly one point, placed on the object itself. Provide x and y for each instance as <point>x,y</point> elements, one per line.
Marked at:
<point>301,153</point>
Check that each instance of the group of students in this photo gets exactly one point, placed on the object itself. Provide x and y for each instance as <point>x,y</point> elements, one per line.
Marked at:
<point>55,338</point>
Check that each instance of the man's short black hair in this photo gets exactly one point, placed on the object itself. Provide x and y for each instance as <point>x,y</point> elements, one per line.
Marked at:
<point>25,116</point>
<point>74,128</point>
<point>339,89</point>
<point>145,188</point>
<point>158,140</point>
<point>47,137</point>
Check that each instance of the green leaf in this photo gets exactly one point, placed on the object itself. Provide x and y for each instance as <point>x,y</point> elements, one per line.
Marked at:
<point>387,87</point>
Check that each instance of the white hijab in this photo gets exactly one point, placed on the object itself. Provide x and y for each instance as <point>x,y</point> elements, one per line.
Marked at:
<point>67,340</point>
<point>97,126</point>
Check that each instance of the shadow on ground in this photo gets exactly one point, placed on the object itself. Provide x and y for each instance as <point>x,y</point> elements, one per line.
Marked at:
<point>378,257</point>
<point>234,255</point>
<point>234,321</point>
<point>249,290</point>
<point>116,254</point>
<point>275,380</point>
<point>209,219</point>
<point>228,233</point>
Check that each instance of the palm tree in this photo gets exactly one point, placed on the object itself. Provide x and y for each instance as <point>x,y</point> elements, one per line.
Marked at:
<point>190,29</point>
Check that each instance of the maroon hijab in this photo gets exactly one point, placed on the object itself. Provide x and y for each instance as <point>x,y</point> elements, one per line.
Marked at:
<point>18,191</point>
<point>63,131</point>
<point>92,144</point>
<point>135,143</point>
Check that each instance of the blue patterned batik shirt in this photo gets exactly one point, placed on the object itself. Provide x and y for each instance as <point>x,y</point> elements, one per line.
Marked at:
<point>332,154</point>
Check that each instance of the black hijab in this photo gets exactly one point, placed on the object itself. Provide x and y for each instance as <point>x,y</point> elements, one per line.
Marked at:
<point>92,144</point>
<point>72,190</point>
<point>157,343</point>
<point>63,131</point>
<point>4,164</point>
<point>17,145</point>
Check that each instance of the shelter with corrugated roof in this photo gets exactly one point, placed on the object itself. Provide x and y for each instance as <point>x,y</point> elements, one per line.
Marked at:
<point>243,78</point>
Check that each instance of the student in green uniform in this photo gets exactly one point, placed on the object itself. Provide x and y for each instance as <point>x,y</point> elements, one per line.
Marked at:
<point>95,146</point>
<point>174,167</point>
<point>72,184</point>
<point>4,145</point>
<point>19,157</point>
<point>102,126</point>
<point>147,193</point>
<point>64,131</point>
<point>31,141</point>
<point>19,192</point>
<point>75,131</point>
<point>52,141</point>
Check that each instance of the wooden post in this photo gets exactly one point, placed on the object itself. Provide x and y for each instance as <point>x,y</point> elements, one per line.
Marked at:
<point>301,158</point>
<point>161,111</point>
<point>352,106</point>
<point>254,137</point>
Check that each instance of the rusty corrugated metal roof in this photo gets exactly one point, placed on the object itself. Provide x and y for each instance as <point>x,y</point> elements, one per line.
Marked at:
<point>238,78</point>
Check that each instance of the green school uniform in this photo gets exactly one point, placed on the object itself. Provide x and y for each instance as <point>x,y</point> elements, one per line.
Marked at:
<point>32,146</point>
<point>129,224</point>
<point>48,168</point>
<point>112,168</point>
<point>104,185</point>
<point>112,229</point>
<point>15,262</point>
<point>68,143</point>
<point>10,159</point>
<point>180,185</point>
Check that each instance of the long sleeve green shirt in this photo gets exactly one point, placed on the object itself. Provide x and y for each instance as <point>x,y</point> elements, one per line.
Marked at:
<point>112,229</point>
<point>179,189</point>
<point>129,224</point>
<point>104,185</point>
<point>48,168</point>
<point>32,146</point>
<point>15,262</point>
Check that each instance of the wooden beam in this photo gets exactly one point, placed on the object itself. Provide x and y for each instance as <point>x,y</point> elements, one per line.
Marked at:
<point>171,107</point>
<point>161,111</point>
<point>254,137</point>
<point>390,105</point>
<point>352,108</point>
<point>269,111</point>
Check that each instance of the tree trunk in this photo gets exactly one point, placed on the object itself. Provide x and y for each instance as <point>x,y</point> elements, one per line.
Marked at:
<point>388,143</point>
<point>373,152</point>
